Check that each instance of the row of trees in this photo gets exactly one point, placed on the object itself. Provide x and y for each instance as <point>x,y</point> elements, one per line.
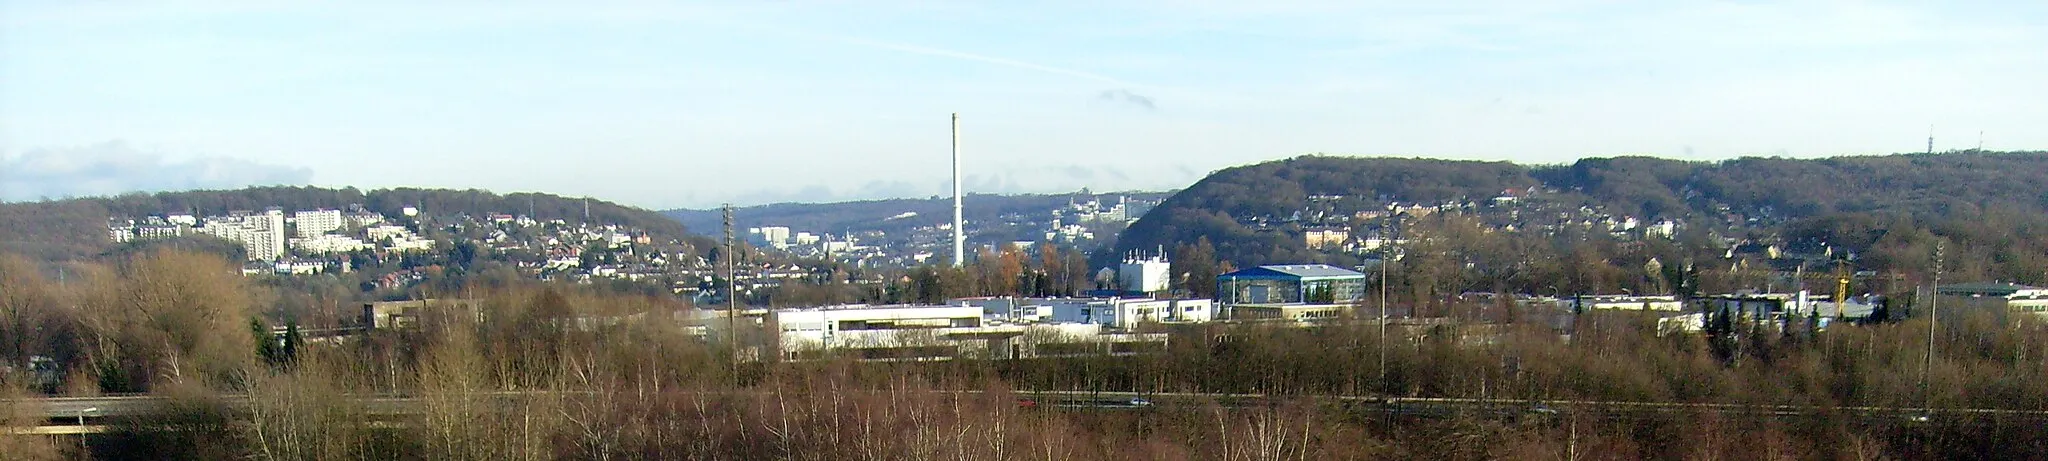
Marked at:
<point>578,372</point>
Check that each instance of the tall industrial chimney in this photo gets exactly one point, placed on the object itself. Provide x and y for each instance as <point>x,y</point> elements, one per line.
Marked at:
<point>959,233</point>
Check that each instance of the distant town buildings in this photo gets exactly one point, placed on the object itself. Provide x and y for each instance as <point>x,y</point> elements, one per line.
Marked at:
<point>263,234</point>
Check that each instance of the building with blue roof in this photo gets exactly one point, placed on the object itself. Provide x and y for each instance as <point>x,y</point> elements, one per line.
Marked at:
<point>1291,283</point>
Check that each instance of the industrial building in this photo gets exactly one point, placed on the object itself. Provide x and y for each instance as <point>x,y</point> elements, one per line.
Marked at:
<point>926,332</point>
<point>2010,297</point>
<point>1145,275</point>
<point>1290,284</point>
<point>1587,303</point>
<point>1121,313</point>
<point>1299,312</point>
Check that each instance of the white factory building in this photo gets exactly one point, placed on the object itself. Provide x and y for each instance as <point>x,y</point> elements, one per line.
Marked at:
<point>927,332</point>
<point>1142,275</point>
<point>1120,313</point>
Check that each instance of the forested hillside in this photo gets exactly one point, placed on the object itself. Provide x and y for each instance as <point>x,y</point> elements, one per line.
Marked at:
<point>1886,212</point>
<point>71,228</point>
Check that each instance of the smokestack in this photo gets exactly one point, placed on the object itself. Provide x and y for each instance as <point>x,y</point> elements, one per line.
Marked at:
<point>959,234</point>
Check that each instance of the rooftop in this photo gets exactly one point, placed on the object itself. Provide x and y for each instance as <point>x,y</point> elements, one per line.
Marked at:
<point>1985,289</point>
<point>1306,271</point>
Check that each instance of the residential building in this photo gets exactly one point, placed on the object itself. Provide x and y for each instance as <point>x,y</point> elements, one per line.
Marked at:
<point>381,233</point>
<point>1325,238</point>
<point>772,236</point>
<point>365,219</point>
<point>265,236</point>
<point>159,232</point>
<point>309,223</point>
<point>327,243</point>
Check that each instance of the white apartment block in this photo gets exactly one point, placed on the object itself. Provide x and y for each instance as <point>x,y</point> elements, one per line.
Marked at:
<point>261,234</point>
<point>325,244</point>
<point>365,219</point>
<point>309,223</point>
<point>266,237</point>
<point>379,233</point>
<point>774,236</point>
<point>158,232</point>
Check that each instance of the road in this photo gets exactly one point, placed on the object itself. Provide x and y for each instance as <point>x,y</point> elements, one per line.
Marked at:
<point>88,414</point>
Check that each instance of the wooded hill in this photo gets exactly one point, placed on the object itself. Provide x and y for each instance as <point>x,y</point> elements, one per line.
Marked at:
<point>77,227</point>
<point>1988,205</point>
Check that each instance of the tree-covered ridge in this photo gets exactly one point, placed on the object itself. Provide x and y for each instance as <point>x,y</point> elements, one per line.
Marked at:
<point>76,227</point>
<point>1219,206</point>
<point>1887,208</point>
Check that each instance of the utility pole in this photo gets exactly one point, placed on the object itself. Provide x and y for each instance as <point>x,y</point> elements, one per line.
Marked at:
<point>1933,318</point>
<point>1841,289</point>
<point>1386,266</point>
<point>732,322</point>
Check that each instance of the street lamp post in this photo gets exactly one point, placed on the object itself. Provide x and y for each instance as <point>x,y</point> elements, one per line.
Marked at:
<point>81,428</point>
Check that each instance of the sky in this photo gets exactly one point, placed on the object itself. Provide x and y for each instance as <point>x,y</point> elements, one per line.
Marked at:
<point>683,104</point>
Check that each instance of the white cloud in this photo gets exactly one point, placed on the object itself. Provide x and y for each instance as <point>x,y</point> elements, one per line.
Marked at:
<point>114,167</point>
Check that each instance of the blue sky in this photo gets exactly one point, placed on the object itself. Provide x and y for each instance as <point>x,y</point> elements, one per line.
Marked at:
<point>687,105</point>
